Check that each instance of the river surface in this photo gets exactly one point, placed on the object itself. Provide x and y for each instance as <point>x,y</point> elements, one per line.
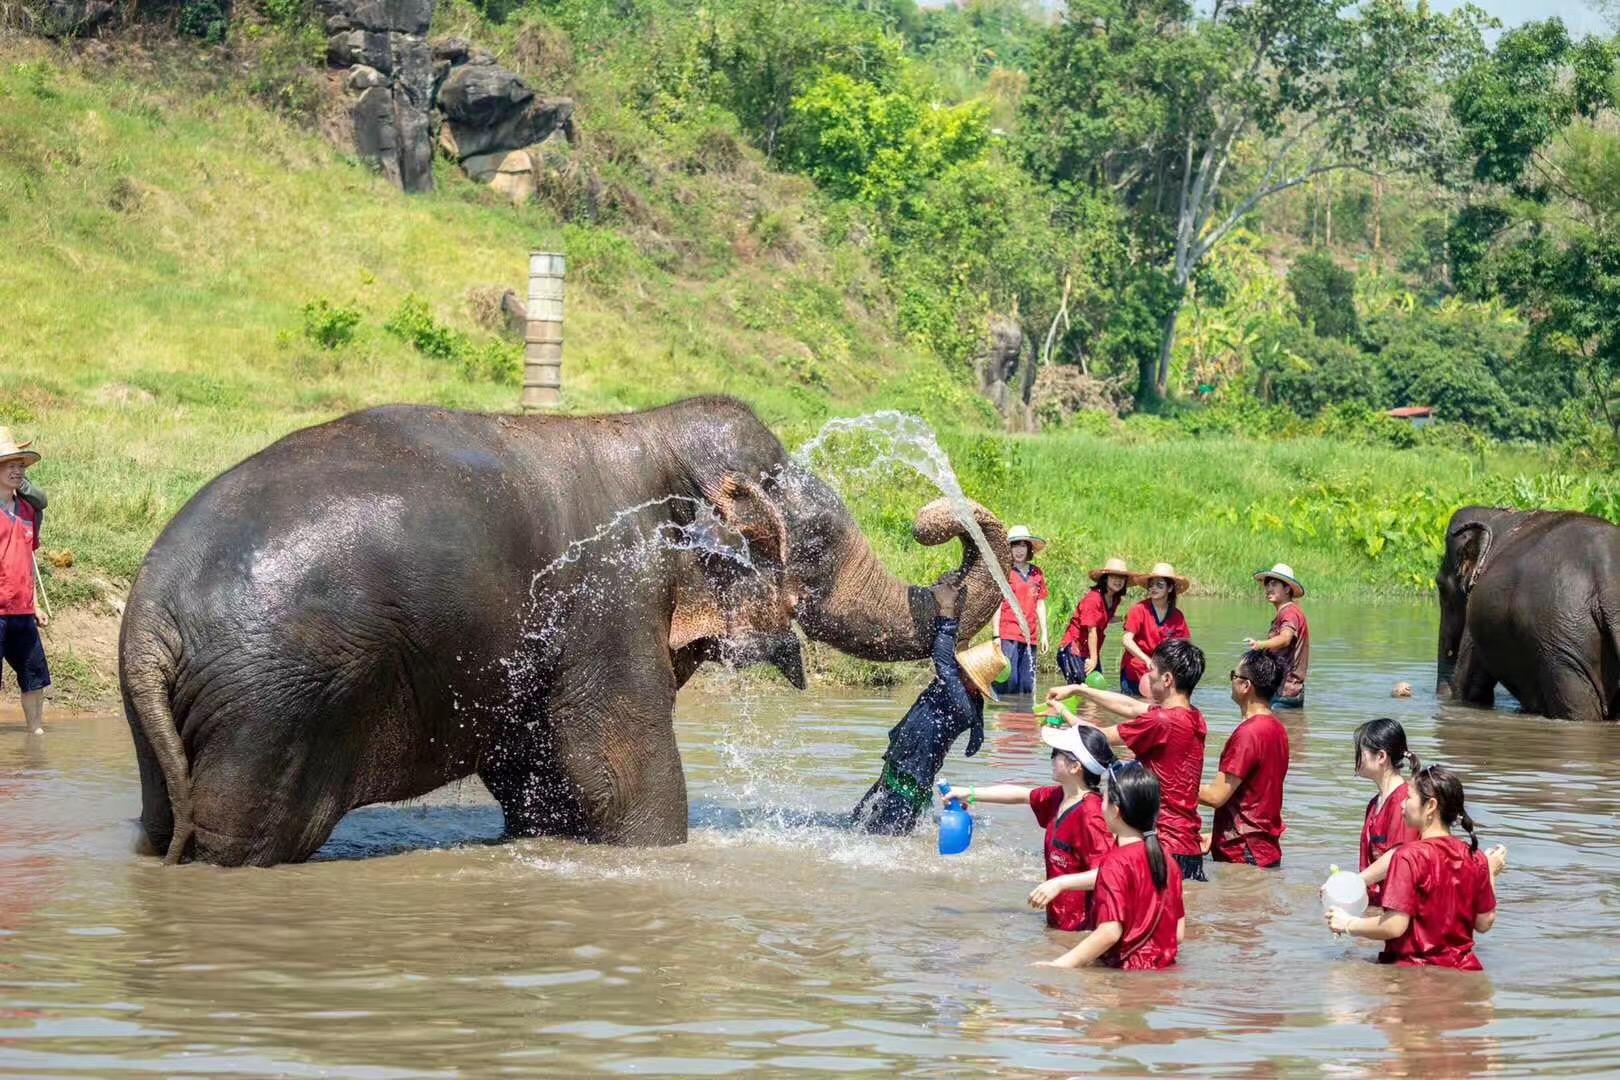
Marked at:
<point>769,944</point>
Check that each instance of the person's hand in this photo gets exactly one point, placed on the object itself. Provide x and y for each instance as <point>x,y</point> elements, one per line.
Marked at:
<point>1248,643</point>
<point>42,619</point>
<point>1043,646</point>
<point>1497,859</point>
<point>1090,665</point>
<point>1044,893</point>
<point>1048,963</point>
<point>1206,840</point>
<point>948,599</point>
<point>1062,693</point>
<point>1338,920</point>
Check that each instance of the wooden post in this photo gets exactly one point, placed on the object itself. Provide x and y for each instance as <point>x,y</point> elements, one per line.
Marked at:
<point>543,333</point>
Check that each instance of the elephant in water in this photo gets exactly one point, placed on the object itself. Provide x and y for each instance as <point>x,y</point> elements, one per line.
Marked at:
<point>369,609</point>
<point>1531,600</point>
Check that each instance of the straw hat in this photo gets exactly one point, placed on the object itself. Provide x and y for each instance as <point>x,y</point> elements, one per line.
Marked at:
<point>1115,565</point>
<point>1285,574</point>
<point>11,448</point>
<point>1164,570</point>
<point>982,665</point>
<point>1021,532</point>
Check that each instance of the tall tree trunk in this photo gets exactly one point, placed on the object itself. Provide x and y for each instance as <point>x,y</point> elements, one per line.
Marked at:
<point>1167,341</point>
<point>1378,217</point>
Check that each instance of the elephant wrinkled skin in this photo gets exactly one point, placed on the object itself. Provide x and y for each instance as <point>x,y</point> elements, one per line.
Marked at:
<point>369,609</point>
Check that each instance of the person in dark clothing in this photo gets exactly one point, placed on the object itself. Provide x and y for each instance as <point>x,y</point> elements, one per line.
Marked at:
<point>948,706</point>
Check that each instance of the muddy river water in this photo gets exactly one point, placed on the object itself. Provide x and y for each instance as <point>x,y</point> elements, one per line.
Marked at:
<point>775,942</point>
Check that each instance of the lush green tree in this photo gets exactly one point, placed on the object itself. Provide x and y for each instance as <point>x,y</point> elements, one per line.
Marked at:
<point>1196,118</point>
<point>1325,295</point>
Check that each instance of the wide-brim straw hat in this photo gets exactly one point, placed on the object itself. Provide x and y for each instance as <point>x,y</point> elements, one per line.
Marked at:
<point>1285,574</point>
<point>1164,570</point>
<point>10,448</point>
<point>1021,533</point>
<point>1112,566</point>
<point>982,665</point>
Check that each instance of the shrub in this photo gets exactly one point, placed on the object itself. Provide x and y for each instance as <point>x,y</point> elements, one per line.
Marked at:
<point>330,325</point>
<point>495,361</point>
<point>1325,294</point>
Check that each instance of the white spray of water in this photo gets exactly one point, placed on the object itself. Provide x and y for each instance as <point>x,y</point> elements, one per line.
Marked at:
<point>911,442</point>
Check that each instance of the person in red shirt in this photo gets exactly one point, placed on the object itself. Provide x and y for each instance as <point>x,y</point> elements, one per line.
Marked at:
<point>1247,792</point>
<point>1168,737</point>
<point>1029,586</point>
<point>1136,901</point>
<point>1071,812</point>
<point>1290,636</point>
<point>1080,651</point>
<point>1440,891</point>
<point>1151,623</point>
<point>20,642</point>
<point>1381,750</point>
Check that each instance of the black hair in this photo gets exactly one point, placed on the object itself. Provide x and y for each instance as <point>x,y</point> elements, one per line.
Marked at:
<point>1386,735</point>
<point>1134,791</point>
<point>1445,787</point>
<point>1096,744</point>
<point>1264,671</point>
<point>1183,660</point>
<point>1102,587</point>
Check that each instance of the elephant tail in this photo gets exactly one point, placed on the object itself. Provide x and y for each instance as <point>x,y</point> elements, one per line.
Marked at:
<point>148,680</point>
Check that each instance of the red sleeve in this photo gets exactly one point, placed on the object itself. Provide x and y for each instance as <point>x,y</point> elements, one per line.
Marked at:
<point>1134,619</point>
<point>1093,613</point>
<point>1238,757</point>
<point>1147,732</point>
<point>1294,619</point>
<point>1108,899</point>
<point>1044,801</point>
<point>1095,838</point>
<point>32,515</point>
<point>1485,898</point>
<point>1401,887</point>
<point>1177,627</point>
<point>1043,593</point>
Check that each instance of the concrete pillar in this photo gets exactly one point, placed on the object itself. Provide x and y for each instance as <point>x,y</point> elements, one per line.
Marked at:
<point>543,334</point>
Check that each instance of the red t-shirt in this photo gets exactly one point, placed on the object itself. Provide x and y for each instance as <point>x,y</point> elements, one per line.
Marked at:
<point>1442,886</point>
<point>1256,759</point>
<point>1171,743</point>
<point>1147,916</point>
<point>19,539</point>
<point>1091,613</point>
<point>1384,828</point>
<point>1076,841</point>
<point>1143,624</point>
<point>1296,657</point>
<point>1030,591</point>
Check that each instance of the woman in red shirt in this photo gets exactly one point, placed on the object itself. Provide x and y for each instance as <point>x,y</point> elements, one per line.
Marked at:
<point>1080,651</point>
<point>1071,812</point>
<point>1151,623</point>
<point>1136,904</point>
<point>1380,752</point>
<point>1440,891</point>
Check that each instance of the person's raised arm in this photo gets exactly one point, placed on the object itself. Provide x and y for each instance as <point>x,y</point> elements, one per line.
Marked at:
<point>1218,791</point>
<point>1001,794</point>
<point>1119,704</point>
<point>1091,947</point>
<point>1093,647</point>
<point>1048,890</point>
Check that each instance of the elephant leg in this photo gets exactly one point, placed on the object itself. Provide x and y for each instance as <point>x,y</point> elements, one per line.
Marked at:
<point>1568,693</point>
<point>1473,684</point>
<point>536,798</point>
<point>238,826</point>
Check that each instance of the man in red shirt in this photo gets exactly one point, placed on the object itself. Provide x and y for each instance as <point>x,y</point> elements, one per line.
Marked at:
<point>1167,735</point>
<point>1290,637</point>
<point>1247,792</point>
<point>1029,587</point>
<point>20,644</point>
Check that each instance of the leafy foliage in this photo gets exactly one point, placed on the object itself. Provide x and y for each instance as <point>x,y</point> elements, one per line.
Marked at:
<point>1325,295</point>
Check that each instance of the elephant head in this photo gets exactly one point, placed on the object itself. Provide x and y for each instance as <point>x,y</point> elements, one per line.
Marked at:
<point>1468,541</point>
<point>842,594</point>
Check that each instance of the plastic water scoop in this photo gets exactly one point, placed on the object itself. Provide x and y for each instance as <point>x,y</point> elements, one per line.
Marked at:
<point>955,824</point>
<point>1096,680</point>
<point>1344,892</point>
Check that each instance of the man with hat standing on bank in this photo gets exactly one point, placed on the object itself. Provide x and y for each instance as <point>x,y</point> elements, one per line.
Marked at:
<point>21,512</point>
<point>1290,639</point>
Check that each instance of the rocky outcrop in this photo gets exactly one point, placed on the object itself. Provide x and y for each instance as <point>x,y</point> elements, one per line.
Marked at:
<point>404,97</point>
<point>1006,371</point>
<point>73,18</point>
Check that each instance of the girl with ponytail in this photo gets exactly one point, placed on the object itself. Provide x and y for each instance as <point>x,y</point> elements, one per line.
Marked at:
<point>1380,752</point>
<point>1136,906</point>
<point>1440,891</point>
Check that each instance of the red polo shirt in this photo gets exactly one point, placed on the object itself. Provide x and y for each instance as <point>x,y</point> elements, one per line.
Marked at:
<point>1442,887</point>
<point>19,539</point>
<point>1091,613</point>
<point>1385,827</point>
<point>1030,590</point>
<point>1147,916</point>
<point>1171,743</point>
<point>1250,823</point>
<point>1076,841</point>
<point>1296,657</point>
<point>1143,624</point>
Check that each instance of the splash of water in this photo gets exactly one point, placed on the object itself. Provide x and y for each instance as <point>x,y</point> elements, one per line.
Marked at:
<point>909,441</point>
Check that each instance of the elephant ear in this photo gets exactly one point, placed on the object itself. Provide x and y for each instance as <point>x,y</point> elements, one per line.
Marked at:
<point>745,509</point>
<point>1466,547</point>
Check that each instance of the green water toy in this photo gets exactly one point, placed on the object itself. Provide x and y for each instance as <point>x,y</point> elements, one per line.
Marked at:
<point>1096,680</point>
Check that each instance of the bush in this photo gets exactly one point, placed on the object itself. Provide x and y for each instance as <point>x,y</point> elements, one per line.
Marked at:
<point>496,361</point>
<point>1308,373</point>
<point>1325,294</point>
<point>329,325</point>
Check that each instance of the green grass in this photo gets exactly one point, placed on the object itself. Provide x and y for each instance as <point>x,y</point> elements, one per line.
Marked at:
<point>165,235</point>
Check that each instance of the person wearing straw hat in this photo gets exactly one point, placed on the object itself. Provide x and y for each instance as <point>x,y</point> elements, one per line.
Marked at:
<point>948,706</point>
<point>1290,638</point>
<point>1019,642</point>
<point>20,643</point>
<point>1151,623</point>
<point>1080,651</point>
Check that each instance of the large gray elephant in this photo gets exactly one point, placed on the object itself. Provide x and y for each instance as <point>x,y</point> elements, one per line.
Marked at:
<point>371,608</point>
<point>1530,599</point>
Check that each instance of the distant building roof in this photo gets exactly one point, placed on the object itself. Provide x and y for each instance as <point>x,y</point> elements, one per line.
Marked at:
<point>1410,412</point>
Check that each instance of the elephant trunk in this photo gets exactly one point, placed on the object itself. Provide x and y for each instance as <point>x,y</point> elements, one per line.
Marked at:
<point>856,605</point>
